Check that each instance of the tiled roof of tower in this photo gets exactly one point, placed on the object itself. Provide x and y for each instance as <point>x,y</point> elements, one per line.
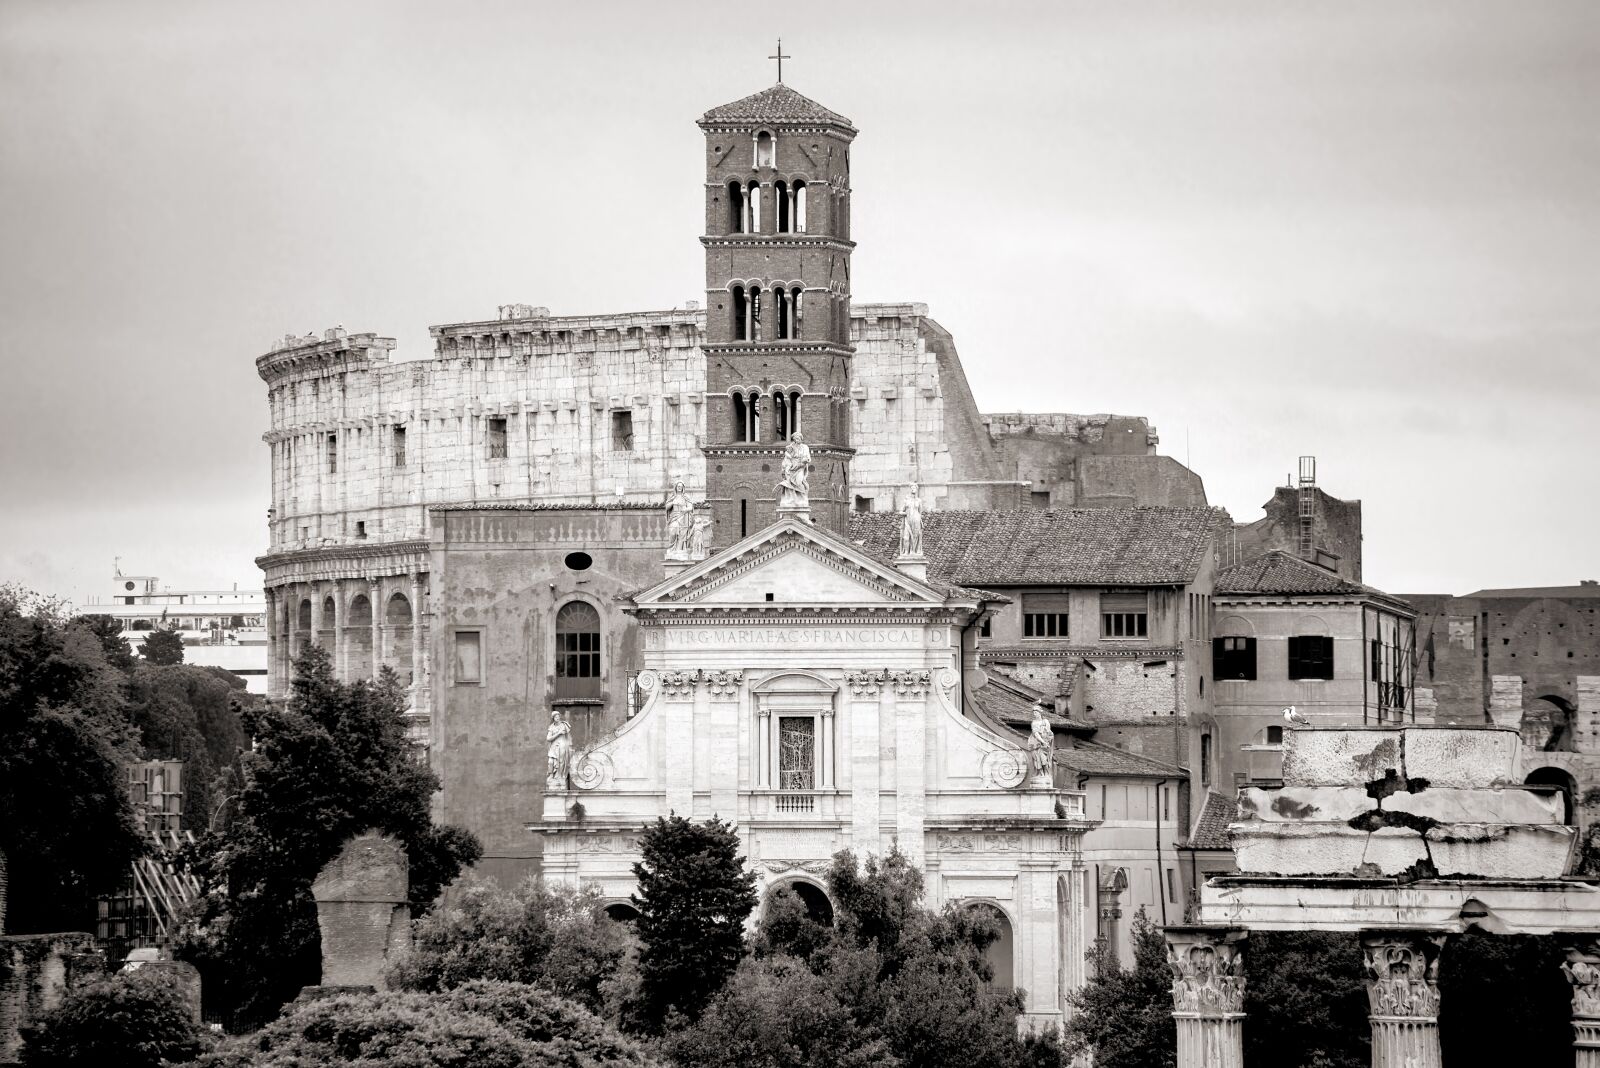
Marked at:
<point>1079,546</point>
<point>1278,572</point>
<point>1211,827</point>
<point>777,104</point>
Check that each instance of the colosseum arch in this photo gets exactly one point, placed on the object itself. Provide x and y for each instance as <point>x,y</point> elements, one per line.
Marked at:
<point>397,618</point>
<point>358,637</point>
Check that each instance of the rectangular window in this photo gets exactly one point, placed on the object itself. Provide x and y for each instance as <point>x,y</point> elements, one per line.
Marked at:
<point>361,528</point>
<point>863,504</point>
<point>1205,760</point>
<point>398,441</point>
<point>578,655</point>
<point>1233,659</point>
<point>985,629</point>
<point>469,656</point>
<point>622,431</point>
<point>1124,615</point>
<point>1040,500</point>
<point>1045,615</point>
<point>1310,656</point>
<point>497,438</point>
<point>333,454</point>
<point>797,753</point>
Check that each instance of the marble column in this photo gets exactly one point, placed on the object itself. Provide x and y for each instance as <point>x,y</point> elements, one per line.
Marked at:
<point>419,646</point>
<point>825,768</point>
<point>764,777</point>
<point>1208,995</point>
<point>1582,968</point>
<point>376,622</point>
<point>1403,996</point>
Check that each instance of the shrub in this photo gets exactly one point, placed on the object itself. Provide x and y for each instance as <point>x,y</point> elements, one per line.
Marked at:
<point>130,1020</point>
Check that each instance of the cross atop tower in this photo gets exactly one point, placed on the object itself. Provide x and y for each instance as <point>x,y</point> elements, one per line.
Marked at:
<point>780,57</point>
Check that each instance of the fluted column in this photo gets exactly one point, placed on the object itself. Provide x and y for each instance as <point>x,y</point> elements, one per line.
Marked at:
<point>1582,968</point>
<point>1208,995</point>
<point>1403,997</point>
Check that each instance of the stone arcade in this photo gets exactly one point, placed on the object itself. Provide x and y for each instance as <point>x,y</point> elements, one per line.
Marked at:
<point>811,694</point>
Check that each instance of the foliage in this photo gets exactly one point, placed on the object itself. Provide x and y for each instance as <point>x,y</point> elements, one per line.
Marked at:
<point>69,832</point>
<point>119,654</point>
<point>163,647</point>
<point>130,1020</point>
<point>1504,1000</point>
<point>330,764</point>
<point>482,1024</point>
<point>694,896</point>
<point>1123,1016</point>
<point>559,939</point>
<point>189,713</point>
<point>777,1013</point>
<point>1305,1000</point>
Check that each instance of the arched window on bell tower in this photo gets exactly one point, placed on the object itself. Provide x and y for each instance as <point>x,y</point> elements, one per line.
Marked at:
<point>736,208</point>
<point>781,206</point>
<point>752,196</point>
<point>798,192</point>
<point>741,314</point>
<point>766,148</point>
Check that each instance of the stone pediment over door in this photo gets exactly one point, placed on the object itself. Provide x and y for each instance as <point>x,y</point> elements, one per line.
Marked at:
<point>794,563</point>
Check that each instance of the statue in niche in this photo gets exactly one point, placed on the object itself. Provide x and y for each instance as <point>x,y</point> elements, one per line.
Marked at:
<point>1041,742</point>
<point>795,489</point>
<point>680,523</point>
<point>911,524</point>
<point>559,741</point>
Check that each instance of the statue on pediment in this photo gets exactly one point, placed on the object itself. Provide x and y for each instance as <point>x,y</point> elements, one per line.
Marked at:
<point>911,524</point>
<point>795,489</point>
<point>680,523</point>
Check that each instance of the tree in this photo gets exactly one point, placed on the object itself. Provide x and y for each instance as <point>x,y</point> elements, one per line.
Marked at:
<point>163,646</point>
<point>119,654</point>
<point>332,763</point>
<point>1305,1000</point>
<point>482,1024</point>
<point>1123,1016</point>
<point>130,1020</point>
<point>69,832</point>
<point>1504,1000</point>
<point>193,714</point>
<point>559,939</point>
<point>694,896</point>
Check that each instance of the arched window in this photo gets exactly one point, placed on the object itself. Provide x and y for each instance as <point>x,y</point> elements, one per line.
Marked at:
<point>753,407</point>
<point>753,214</point>
<point>799,213</point>
<point>358,637</point>
<point>741,417</point>
<point>999,955</point>
<point>794,412</point>
<point>765,149</point>
<point>755,333</point>
<point>577,651</point>
<point>794,312</point>
<point>736,215</point>
<point>781,205</point>
<point>741,314</point>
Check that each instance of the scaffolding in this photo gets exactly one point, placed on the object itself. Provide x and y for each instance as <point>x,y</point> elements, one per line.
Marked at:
<point>1308,507</point>
<point>146,909</point>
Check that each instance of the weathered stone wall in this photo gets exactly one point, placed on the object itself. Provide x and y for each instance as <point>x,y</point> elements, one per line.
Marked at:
<point>1336,529</point>
<point>362,910</point>
<point>503,573</point>
<point>35,974</point>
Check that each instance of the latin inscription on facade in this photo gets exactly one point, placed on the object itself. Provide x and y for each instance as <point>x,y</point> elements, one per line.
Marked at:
<point>774,637</point>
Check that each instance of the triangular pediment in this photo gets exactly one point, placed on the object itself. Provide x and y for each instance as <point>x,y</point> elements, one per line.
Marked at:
<point>795,564</point>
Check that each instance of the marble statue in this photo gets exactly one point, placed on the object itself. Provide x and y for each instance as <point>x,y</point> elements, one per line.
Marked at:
<point>1041,742</point>
<point>795,489</point>
<point>680,523</point>
<point>559,740</point>
<point>700,538</point>
<point>911,524</point>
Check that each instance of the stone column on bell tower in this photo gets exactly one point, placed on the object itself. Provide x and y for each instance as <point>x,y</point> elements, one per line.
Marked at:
<point>777,221</point>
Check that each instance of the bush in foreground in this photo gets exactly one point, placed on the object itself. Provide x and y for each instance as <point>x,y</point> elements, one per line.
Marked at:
<point>482,1024</point>
<point>129,1020</point>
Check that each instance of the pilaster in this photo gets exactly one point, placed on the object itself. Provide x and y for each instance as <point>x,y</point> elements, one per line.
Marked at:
<point>1403,995</point>
<point>1208,995</point>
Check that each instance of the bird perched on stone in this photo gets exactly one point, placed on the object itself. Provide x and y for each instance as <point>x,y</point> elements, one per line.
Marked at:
<point>1291,716</point>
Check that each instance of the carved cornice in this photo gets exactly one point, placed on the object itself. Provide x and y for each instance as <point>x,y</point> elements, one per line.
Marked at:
<point>866,683</point>
<point>377,559</point>
<point>1402,973</point>
<point>680,683</point>
<point>788,543</point>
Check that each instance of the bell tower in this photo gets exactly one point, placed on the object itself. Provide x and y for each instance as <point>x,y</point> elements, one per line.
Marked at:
<point>778,350</point>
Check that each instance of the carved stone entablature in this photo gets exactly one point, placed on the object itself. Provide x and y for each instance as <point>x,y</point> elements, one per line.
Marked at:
<point>1207,970</point>
<point>911,683</point>
<point>723,682</point>
<point>345,562</point>
<point>986,843</point>
<point>1582,969</point>
<point>1402,973</point>
<point>866,683</point>
<point>606,844</point>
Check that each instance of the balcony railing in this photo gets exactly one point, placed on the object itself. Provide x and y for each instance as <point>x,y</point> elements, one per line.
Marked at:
<point>794,804</point>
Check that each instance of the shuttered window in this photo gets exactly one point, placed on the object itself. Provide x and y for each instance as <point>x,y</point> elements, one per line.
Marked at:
<point>1046,615</point>
<point>1311,656</point>
<point>1233,659</point>
<point>1124,615</point>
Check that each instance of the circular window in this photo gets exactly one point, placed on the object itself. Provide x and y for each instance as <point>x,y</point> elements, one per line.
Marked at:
<point>579,561</point>
<point>127,585</point>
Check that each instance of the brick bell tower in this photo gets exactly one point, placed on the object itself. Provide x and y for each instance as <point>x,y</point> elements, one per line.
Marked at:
<point>777,346</point>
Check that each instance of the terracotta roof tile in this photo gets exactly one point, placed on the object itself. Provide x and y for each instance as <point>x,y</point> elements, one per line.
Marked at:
<point>1278,572</point>
<point>1092,758</point>
<point>1079,546</point>
<point>1211,829</point>
<point>778,104</point>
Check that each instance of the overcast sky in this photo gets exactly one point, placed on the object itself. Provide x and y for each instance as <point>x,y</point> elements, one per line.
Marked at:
<point>1367,232</point>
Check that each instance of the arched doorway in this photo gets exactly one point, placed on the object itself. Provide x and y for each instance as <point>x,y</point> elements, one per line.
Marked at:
<point>622,912</point>
<point>815,899</point>
<point>358,637</point>
<point>397,614</point>
<point>1548,776</point>
<point>1001,955</point>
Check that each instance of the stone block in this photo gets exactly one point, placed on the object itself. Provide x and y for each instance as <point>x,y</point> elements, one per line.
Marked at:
<point>1463,756</point>
<point>1325,849</point>
<point>362,910</point>
<point>1512,804</point>
<point>1505,700</point>
<point>1296,804</point>
<point>1497,851</point>
<point>1340,756</point>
